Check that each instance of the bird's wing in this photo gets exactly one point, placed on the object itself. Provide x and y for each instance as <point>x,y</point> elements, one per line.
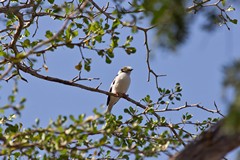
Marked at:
<point>110,90</point>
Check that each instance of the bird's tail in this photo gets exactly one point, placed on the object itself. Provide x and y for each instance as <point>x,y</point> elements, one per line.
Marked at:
<point>109,109</point>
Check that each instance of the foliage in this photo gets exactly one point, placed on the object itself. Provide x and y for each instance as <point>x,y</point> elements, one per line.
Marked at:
<point>232,81</point>
<point>101,136</point>
<point>98,29</point>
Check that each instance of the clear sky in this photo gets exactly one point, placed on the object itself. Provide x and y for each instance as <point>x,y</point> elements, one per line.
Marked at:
<point>197,65</point>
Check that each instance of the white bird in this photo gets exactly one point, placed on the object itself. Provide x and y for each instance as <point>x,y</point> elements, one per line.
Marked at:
<point>119,85</point>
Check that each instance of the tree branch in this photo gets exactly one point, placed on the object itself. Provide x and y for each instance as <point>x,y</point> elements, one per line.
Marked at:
<point>59,32</point>
<point>71,83</point>
<point>190,106</point>
<point>212,144</point>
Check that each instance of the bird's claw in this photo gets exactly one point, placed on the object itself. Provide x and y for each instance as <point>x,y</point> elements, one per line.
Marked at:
<point>122,94</point>
<point>125,95</point>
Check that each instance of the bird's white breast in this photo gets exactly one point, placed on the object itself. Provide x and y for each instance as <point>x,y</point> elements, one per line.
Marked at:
<point>122,83</point>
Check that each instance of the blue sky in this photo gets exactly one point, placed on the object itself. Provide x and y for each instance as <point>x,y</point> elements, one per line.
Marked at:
<point>197,65</point>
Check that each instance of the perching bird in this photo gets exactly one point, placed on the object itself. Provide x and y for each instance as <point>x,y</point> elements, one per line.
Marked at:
<point>119,85</point>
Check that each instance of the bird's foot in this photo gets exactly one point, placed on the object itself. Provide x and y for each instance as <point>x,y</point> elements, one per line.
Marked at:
<point>125,95</point>
<point>122,94</point>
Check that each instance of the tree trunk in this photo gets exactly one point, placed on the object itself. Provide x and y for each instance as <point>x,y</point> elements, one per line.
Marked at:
<point>212,144</point>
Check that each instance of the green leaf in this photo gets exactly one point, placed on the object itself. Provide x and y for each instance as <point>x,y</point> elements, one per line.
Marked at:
<point>11,117</point>
<point>234,21</point>
<point>98,38</point>
<point>114,41</point>
<point>130,50</point>
<point>79,66</point>
<point>115,24</point>
<point>132,110</point>
<point>26,43</point>
<point>178,98</point>
<point>11,129</point>
<point>79,25</point>
<point>103,140</point>
<point>106,26</point>
<point>26,33</point>
<point>117,142</point>
<point>81,118</point>
<point>56,8</point>
<point>2,68</point>
<point>230,8</point>
<point>37,121</point>
<point>51,1</point>
<point>87,68</point>
<point>16,155</point>
<point>108,60</point>
<point>85,20</point>
<point>167,91</point>
<point>147,99</point>
<point>129,39</point>
<point>70,45</point>
<point>4,54</point>
<point>34,43</point>
<point>69,130</point>
<point>110,53</point>
<point>101,52</point>
<point>72,118</point>
<point>11,98</point>
<point>223,2</point>
<point>189,116</point>
<point>68,35</point>
<point>126,111</point>
<point>87,63</point>
<point>9,23</point>
<point>75,33</point>
<point>163,120</point>
<point>178,88</point>
<point>162,102</point>
<point>134,29</point>
<point>48,34</point>
<point>125,157</point>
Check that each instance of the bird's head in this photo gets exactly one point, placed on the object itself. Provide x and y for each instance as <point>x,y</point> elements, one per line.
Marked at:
<point>126,69</point>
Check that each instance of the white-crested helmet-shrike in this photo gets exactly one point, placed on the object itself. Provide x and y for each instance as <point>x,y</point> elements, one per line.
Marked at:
<point>119,85</point>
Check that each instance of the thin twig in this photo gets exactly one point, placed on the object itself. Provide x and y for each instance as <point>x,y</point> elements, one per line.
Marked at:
<point>190,106</point>
<point>6,72</point>
<point>55,36</point>
<point>79,78</point>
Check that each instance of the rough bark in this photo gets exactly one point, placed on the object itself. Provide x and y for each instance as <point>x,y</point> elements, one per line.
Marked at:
<point>212,144</point>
